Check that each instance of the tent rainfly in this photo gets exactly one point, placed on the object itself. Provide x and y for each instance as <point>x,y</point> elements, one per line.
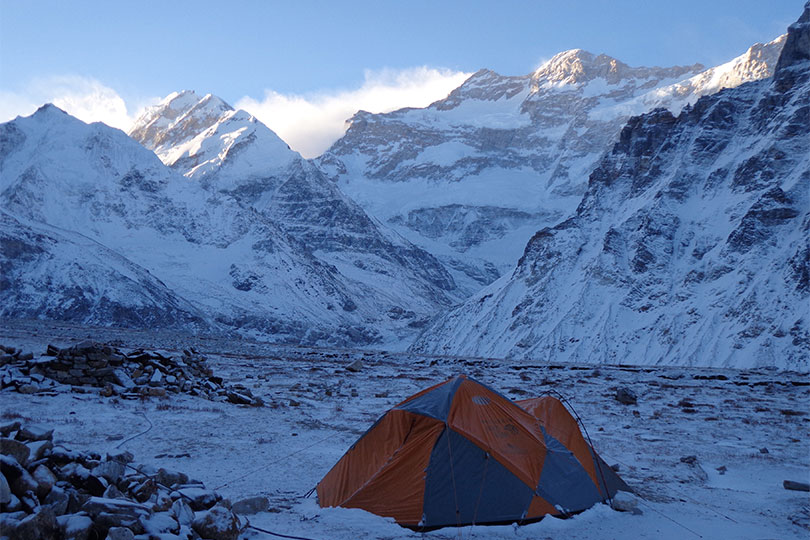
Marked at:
<point>460,453</point>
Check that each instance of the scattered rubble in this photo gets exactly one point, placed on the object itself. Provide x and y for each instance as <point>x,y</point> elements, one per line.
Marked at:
<point>129,375</point>
<point>58,494</point>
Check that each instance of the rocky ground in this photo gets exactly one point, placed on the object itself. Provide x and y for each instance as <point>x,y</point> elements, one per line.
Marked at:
<point>707,450</point>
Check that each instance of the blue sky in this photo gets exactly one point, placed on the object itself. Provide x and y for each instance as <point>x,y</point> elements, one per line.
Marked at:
<point>140,51</point>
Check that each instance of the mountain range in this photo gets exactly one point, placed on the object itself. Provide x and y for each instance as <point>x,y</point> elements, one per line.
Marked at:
<point>671,205</point>
<point>689,247</point>
<point>473,176</point>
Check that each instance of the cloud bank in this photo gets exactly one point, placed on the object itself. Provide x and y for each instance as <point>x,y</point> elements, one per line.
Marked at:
<point>311,123</point>
<point>85,98</point>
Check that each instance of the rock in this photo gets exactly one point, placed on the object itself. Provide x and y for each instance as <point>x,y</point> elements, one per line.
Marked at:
<point>623,501</point>
<point>28,388</point>
<point>121,378</point>
<point>34,433</point>
<point>112,492</point>
<point>39,449</point>
<point>199,498</point>
<point>170,478</point>
<point>218,523</point>
<point>75,526</point>
<point>120,533</point>
<point>239,399</point>
<point>121,457</point>
<point>110,470</point>
<point>144,490</point>
<point>58,500</point>
<point>251,505</point>
<point>105,521</point>
<point>45,480</point>
<point>9,522</point>
<point>95,485</point>
<point>98,505</point>
<point>15,449</point>
<point>182,512</point>
<point>355,366</point>
<point>626,396</point>
<point>40,525</point>
<point>5,490</point>
<point>160,523</point>
<point>156,379</point>
<point>796,486</point>
<point>8,428</point>
<point>763,450</point>
<point>690,460</point>
<point>19,479</point>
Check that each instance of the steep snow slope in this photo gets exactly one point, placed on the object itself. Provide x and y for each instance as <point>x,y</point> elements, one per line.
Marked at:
<point>473,176</point>
<point>230,153</point>
<point>689,247</point>
<point>225,258</point>
<point>57,274</point>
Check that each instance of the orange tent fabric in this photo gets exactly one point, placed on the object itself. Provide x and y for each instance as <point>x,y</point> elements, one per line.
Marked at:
<point>460,453</point>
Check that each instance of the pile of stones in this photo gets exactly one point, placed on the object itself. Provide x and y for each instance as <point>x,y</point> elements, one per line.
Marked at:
<point>130,375</point>
<point>48,492</point>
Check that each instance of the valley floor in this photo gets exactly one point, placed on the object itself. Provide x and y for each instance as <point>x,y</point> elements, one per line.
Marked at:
<point>748,431</point>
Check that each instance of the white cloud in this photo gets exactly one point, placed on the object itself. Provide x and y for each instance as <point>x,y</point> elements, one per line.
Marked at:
<point>83,97</point>
<point>310,123</point>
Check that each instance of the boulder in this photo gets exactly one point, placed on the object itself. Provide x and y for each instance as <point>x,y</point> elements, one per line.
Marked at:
<point>58,500</point>
<point>355,366</point>
<point>96,506</point>
<point>121,457</point>
<point>182,512</point>
<point>251,505</point>
<point>45,480</point>
<point>7,428</point>
<point>218,523</point>
<point>626,396</point>
<point>5,490</point>
<point>40,525</point>
<point>160,523</point>
<point>34,433</point>
<point>625,502</point>
<point>171,478</point>
<point>75,526</point>
<point>39,449</point>
<point>120,533</point>
<point>16,449</point>
<point>19,480</point>
<point>110,470</point>
<point>199,498</point>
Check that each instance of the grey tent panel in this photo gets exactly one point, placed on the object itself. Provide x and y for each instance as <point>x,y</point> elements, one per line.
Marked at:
<point>471,486</point>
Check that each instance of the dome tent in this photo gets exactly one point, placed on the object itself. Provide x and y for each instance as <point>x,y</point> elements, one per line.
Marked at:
<point>460,453</point>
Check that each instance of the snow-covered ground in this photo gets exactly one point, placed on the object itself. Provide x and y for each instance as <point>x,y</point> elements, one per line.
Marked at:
<point>754,423</point>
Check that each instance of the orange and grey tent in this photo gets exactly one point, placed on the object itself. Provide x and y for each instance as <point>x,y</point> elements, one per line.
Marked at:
<point>460,453</point>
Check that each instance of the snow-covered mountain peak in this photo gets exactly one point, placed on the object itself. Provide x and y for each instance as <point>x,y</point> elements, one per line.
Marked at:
<point>577,66</point>
<point>200,135</point>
